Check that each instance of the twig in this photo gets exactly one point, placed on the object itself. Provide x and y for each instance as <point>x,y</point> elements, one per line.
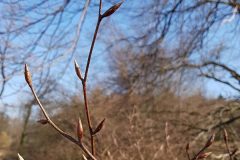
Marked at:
<point>92,132</point>
<point>49,121</point>
<point>201,153</point>
<point>109,12</point>
<point>225,134</point>
<point>84,81</point>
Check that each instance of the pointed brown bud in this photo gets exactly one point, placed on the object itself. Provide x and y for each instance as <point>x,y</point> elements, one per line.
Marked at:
<point>210,140</point>
<point>42,121</point>
<point>111,10</point>
<point>27,75</point>
<point>77,70</point>
<point>99,127</point>
<point>79,130</point>
<point>204,155</point>
<point>225,135</point>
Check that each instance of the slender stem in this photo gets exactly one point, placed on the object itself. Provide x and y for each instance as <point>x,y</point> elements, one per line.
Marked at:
<point>84,86</point>
<point>208,143</point>
<point>88,116</point>
<point>226,143</point>
<point>198,154</point>
<point>84,80</point>
<point>64,134</point>
<point>229,153</point>
<point>91,48</point>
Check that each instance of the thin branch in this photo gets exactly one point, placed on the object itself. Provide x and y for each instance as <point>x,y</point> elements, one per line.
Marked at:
<point>221,81</point>
<point>49,121</point>
<point>84,80</point>
<point>109,12</point>
<point>226,143</point>
<point>231,71</point>
<point>91,48</point>
<point>28,79</point>
<point>201,152</point>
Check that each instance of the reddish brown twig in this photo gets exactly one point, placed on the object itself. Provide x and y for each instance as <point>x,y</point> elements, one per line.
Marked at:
<point>92,132</point>
<point>109,12</point>
<point>49,121</point>
<point>201,154</point>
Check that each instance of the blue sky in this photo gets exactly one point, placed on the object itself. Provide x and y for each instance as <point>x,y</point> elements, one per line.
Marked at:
<point>99,66</point>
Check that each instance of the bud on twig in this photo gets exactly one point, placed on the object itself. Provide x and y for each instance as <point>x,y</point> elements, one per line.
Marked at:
<point>111,10</point>
<point>79,130</point>
<point>99,127</point>
<point>210,140</point>
<point>20,157</point>
<point>204,155</point>
<point>77,70</point>
<point>28,76</point>
<point>43,121</point>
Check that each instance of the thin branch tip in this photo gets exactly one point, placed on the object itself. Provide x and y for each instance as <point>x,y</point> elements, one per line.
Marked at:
<point>79,130</point>
<point>27,75</point>
<point>112,9</point>
<point>77,70</point>
<point>99,127</point>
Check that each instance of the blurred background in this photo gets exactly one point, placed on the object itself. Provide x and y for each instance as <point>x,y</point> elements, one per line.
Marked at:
<point>164,73</point>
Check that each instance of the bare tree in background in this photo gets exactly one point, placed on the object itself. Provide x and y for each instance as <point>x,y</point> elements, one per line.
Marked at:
<point>178,37</point>
<point>44,32</point>
<point>177,43</point>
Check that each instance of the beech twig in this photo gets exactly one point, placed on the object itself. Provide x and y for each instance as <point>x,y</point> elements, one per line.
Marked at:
<point>47,119</point>
<point>92,132</point>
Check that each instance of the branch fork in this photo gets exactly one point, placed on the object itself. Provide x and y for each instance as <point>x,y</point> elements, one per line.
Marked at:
<point>79,127</point>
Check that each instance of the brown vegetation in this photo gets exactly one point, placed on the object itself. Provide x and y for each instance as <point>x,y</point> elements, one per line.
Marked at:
<point>152,105</point>
<point>136,129</point>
